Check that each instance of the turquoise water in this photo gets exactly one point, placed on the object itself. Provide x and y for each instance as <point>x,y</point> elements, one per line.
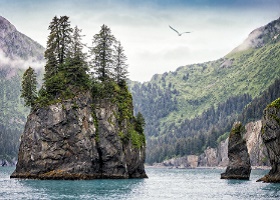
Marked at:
<point>162,184</point>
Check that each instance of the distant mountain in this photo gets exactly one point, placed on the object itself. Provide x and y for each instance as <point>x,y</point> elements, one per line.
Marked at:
<point>190,108</point>
<point>15,45</point>
<point>17,52</point>
<point>260,37</point>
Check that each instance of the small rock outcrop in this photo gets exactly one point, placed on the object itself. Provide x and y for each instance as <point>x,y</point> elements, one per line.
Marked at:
<point>239,166</point>
<point>271,139</point>
<point>71,140</point>
<point>8,163</point>
<point>190,161</point>
<point>209,158</point>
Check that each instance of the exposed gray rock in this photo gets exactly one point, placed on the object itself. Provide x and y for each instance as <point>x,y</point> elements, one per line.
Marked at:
<point>193,161</point>
<point>190,161</point>
<point>14,44</point>
<point>223,153</point>
<point>239,166</point>
<point>271,137</point>
<point>256,148</point>
<point>209,158</point>
<point>8,163</point>
<point>69,140</point>
<point>212,157</point>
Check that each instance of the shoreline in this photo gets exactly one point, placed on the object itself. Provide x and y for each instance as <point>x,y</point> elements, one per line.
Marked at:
<point>202,167</point>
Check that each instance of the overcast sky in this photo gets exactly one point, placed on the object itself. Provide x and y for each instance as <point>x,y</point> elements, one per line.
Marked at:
<point>216,26</point>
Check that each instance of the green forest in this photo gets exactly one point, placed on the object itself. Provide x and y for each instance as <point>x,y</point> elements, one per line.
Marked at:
<point>195,106</point>
<point>193,136</point>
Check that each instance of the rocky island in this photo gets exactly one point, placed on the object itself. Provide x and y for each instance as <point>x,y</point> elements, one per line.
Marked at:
<point>271,136</point>
<point>80,126</point>
<point>239,166</point>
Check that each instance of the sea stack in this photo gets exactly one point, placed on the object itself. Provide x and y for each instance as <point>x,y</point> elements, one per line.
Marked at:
<point>81,124</point>
<point>271,138</point>
<point>71,140</point>
<point>239,166</point>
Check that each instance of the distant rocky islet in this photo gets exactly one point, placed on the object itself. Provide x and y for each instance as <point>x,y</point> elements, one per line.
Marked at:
<point>218,157</point>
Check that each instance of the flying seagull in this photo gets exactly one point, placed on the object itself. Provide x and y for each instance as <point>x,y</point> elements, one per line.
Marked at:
<point>177,31</point>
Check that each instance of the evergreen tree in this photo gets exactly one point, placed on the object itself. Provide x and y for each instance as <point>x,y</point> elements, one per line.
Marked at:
<point>139,123</point>
<point>51,53</point>
<point>57,51</point>
<point>65,32</point>
<point>77,45</point>
<point>29,82</point>
<point>120,66</point>
<point>76,67</point>
<point>103,52</point>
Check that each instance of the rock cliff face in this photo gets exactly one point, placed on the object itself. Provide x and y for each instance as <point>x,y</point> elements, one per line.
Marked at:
<point>256,148</point>
<point>209,158</point>
<point>239,166</point>
<point>223,153</point>
<point>271,138</point>
<point>70,140</point>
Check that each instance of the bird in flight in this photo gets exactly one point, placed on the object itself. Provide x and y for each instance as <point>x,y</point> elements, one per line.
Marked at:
<point>177,31</point>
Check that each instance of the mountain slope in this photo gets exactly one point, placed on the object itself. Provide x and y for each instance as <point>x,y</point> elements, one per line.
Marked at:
<point>170,100</point>
<point>16,45</point>
<point>17,52</point>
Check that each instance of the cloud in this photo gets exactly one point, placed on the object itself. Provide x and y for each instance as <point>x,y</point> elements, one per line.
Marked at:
<point>251,42</point>
<point>142,27</point>
<point>19,63</point>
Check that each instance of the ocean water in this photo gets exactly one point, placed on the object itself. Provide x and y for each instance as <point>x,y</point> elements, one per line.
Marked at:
<point>162,184</point>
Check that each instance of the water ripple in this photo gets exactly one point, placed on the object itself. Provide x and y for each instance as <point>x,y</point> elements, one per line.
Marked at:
<point>163,184</point>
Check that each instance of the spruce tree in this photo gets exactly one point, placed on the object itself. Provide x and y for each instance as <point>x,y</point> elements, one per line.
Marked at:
<point>51,53</point>
<point>103,51</point>
<point>57,51</point>
<point>65,31</point>
<point>77,45</point>
<point>139,123</point>
<point>29,91</point>
<point>120,66</point>
<point>76,67</point>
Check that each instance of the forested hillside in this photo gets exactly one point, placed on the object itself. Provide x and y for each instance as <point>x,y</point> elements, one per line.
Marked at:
<point>189,109</point>
<point>17,52</point>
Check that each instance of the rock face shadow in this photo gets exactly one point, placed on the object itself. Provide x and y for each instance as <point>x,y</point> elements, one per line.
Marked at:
<point>239,166</point>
